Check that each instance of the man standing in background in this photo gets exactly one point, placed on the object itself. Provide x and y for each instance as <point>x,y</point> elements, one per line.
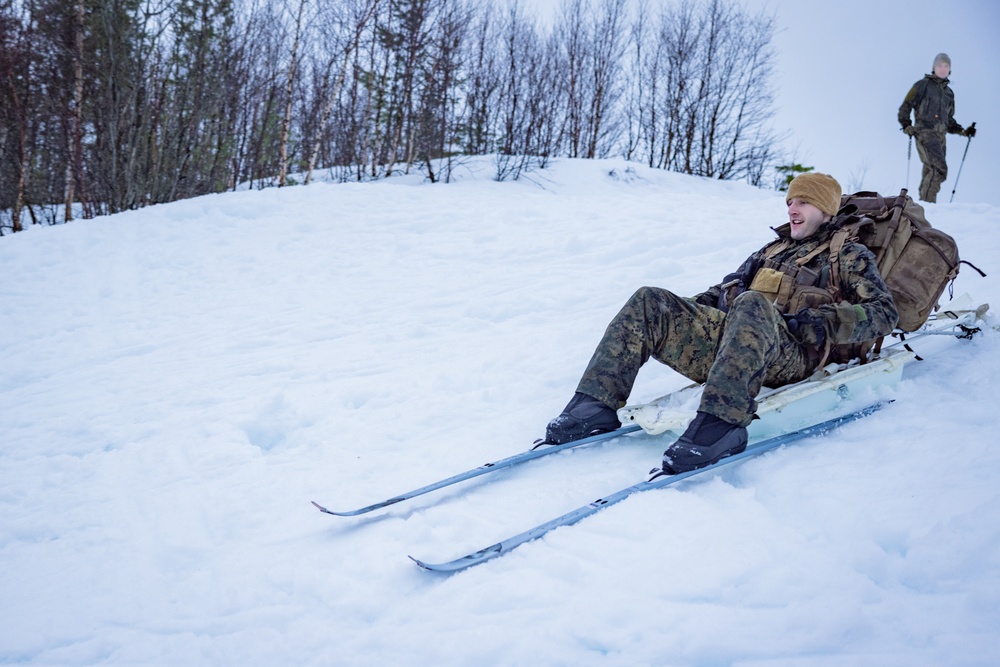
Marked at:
<point>932,102</point>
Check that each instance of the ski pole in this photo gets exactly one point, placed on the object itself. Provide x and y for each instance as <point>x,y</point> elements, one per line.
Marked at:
<point>909,154</point>
<point>971,127</point>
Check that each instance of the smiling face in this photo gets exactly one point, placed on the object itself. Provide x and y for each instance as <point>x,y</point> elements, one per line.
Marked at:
<point>804,218</point>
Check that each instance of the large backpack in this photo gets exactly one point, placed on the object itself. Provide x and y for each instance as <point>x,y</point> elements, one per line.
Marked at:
<point>916,260</point>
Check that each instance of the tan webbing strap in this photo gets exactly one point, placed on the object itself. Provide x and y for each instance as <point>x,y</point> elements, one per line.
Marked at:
<point>890,229</point>
<point>777,246</point>
<point>802,261</point>
<point>864,349</point>
<point>878,345</point>
<point>837,242</point>
<point>785,290</point>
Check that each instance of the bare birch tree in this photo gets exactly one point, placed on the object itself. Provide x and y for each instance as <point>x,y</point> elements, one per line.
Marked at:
<point>342,28</point>
<point>482,83</point>
<point>286,121</point>
<point>571,31</point>
<point>108,106</point>
<point>17,81</point>
<point>607,46</point>
<point>74,162</point>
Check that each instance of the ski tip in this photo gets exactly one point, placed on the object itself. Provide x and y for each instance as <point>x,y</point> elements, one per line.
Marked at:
<point>427,566</point>
<point>463,562</point>
<point>326,510</point>
<point>444,568</point>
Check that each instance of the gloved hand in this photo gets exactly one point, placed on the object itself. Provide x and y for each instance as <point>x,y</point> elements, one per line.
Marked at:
<point>910,131</point>
<point>807,327</point>
<point>732,287</point>
<point>969,131</point>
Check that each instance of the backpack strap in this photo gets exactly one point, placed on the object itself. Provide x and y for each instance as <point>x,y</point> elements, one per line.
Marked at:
<point>837,242</point>
<point>805,259</point>
<point>980,271</point>
<point>891,227</point>
<point>776,247</point>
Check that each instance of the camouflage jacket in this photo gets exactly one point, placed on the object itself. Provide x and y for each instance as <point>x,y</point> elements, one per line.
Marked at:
<point>933,104</point>
<point>865,310</point>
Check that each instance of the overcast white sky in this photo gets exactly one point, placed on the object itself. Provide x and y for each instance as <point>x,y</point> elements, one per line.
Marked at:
<point>844,67</point>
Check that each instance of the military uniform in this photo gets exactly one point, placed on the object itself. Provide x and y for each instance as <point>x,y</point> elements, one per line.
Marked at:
<point>732,337</point>
<point>932,102</point>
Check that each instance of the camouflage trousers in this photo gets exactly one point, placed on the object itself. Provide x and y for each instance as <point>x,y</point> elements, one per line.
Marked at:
<point>733,353</point>
<point>931,149</point>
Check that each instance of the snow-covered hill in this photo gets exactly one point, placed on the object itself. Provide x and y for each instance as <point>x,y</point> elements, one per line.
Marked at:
<point>177,383</point>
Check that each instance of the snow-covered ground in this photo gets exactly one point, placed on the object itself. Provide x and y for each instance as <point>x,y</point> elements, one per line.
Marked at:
<point>177,383</point>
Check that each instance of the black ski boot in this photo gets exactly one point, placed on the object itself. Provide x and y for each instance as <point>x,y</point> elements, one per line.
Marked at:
<point>706,440</point>
<point>584,415</point>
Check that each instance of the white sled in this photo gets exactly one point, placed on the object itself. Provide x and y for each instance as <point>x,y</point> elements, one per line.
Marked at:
<point>832,391</point>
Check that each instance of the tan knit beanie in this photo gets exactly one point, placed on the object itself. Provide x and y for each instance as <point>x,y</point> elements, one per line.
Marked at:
<point>941,58</point>
<point>821,190</point>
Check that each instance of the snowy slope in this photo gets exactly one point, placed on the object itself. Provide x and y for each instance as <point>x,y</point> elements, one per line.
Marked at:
<point>178,383</point>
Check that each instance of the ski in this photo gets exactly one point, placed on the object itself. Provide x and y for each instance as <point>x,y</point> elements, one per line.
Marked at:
<point>959,320</point>
<point>657,481</point>
<point>960,323</point>
<point>486,468</point>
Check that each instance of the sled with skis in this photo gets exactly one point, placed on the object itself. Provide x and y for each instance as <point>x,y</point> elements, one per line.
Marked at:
<point>833,392</point>
<point>834,396</point>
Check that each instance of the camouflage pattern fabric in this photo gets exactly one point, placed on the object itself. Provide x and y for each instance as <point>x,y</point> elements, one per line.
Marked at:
<point>932,103</point>
<point>931,149</point>
<point>866,311</point>
<point>737,351</point>
<point>733,353</point>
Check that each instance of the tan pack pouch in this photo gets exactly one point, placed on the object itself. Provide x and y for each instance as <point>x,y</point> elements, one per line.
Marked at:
<point>767,281</point>
<point>809,297</point>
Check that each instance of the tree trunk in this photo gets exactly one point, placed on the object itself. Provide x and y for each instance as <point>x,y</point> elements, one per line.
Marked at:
<point>74,163</point>
<point>286,122</point>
